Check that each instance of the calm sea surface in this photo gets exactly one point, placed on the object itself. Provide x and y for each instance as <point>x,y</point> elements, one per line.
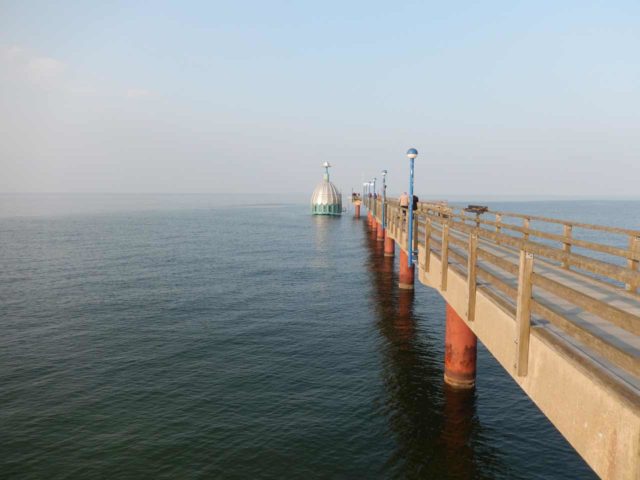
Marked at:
<point>173,338</point>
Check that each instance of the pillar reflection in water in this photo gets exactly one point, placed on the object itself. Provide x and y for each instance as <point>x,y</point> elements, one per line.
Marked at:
<point>458,424</point>
<point>433,425</point>
<point>404,323</point>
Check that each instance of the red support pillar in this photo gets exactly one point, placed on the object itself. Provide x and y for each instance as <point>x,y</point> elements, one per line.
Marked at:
<point>357,213</point>
<point>389,246</point>
<point>380,234</point>
<point>460,352</point>
<point>406,272</point>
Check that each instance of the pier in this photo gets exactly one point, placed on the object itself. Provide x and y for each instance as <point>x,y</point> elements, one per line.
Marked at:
<point>555,306</point>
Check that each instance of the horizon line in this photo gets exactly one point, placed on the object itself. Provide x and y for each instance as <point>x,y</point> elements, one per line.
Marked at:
<point>436,196</point>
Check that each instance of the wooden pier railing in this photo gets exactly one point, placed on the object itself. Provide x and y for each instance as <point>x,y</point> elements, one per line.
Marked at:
<point>496,253</point>
<point>572,281</point>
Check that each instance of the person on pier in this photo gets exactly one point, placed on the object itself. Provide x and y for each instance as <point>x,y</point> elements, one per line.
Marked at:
<point>404,203</point>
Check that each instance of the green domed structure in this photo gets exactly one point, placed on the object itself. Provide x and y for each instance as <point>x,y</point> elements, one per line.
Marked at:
<point>326,198</point>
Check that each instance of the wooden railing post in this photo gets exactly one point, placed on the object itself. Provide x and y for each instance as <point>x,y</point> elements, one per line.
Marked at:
<point>566,246</point>
<point>444,256</point>
<point>523,313</point>
<point>525,224</point>
<point>471,276</point>
<point>427,244</point>
<point>498,226</point>
<point>634,250</point>
<point>391,220</point>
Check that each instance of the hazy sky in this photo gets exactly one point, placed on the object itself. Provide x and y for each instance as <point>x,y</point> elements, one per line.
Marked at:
<point>528,98</point>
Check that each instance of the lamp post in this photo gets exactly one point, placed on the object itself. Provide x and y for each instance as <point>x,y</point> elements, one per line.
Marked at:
<point>372,200</point>
<point>375,203</point>
<point>412,153</point>
<point>371,204</point>
<point>365,199</point>
<point>384,199</point>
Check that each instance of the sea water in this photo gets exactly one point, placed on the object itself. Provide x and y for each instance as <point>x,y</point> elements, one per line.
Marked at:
<point>210,337</point>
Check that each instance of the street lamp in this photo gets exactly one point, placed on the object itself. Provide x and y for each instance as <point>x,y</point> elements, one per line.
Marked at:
<point>371,205</point>
<point>375,203</point>
<point>384,199</point>
<point>412,153</point>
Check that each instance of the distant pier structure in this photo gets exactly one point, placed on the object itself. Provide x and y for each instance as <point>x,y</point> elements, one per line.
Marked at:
<point>326,198</point>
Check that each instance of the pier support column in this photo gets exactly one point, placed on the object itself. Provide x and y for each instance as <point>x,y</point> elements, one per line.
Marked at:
<point>389,246</point>
<point>460,347</point>
<point>406,272</point>
<point>380,232</point>
<point>357,212</point>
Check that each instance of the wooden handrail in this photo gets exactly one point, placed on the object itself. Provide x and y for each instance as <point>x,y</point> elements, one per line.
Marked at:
<point>619,273</point>
<point>465,244</point>
<point>617,316</point>
<point>566,240</point>
<point>601,345</point>
<point>538,218</point>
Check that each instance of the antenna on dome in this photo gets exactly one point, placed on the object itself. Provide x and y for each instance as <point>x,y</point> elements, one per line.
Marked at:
<point>326,166</point>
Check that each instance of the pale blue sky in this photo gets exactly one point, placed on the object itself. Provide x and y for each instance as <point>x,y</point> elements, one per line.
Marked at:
<point>501,98</point>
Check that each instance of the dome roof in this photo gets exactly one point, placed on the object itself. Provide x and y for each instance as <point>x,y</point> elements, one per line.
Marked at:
<point>326,198</point>
<point>326,193</point>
